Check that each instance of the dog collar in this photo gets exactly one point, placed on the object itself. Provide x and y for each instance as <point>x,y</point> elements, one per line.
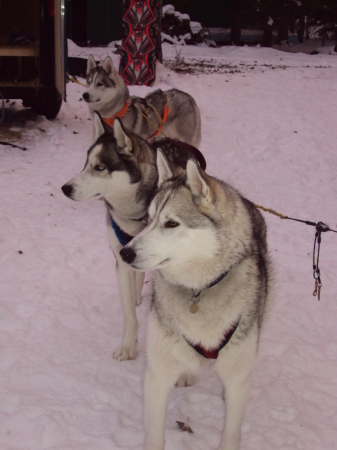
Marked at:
<point>122,237</point>
<point>196,296</point>
<point>213,353</point>
<point>110,120</point>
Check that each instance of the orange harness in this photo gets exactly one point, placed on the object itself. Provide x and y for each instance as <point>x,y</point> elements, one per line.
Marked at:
<point>120,114</point>
<point>162,122</point>
<point>110,120</point>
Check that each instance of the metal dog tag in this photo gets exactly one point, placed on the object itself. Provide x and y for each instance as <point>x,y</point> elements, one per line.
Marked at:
<point>195,300</point>
<point>194,308</point>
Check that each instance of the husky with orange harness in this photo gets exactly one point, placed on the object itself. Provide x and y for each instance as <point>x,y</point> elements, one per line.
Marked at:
<point>171,113</point>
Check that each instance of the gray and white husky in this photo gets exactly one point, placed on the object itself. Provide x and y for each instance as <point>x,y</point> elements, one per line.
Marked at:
<point>121,169</point>
<point>108,94</point>
<point>208,247</point>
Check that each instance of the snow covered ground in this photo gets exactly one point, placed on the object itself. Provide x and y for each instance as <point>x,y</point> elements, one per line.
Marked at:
<point>268,128</point>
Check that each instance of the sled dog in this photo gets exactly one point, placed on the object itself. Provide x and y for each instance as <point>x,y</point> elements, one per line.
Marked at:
<point>208,247</point>
<point>121,169</point>
<point>171,113</point>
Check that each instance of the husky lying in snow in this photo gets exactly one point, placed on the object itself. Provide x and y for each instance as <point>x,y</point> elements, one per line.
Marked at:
<point>211,291</point>
<point>108,94</point>
<point>121,169</point>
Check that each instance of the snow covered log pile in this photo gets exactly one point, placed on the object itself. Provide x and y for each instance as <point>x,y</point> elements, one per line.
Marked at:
<point>177,28</point>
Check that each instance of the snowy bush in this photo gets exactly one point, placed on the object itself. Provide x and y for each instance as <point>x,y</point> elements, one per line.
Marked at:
<point>177,28</point>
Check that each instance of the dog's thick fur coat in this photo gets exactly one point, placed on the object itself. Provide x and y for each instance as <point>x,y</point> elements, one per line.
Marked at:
<point>121,169</point>
<point>199,230</point>
<point>108,94</point>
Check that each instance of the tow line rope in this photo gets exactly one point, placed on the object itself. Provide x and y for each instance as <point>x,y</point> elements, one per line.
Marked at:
<point>73,79</point>
<point>149,121</point>
<point>321,227</point>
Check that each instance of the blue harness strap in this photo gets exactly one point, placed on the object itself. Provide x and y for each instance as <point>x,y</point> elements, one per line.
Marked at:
<point>122,237</point>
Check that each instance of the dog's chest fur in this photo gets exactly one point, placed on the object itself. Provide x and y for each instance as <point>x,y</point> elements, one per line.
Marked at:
<point>219,308</point>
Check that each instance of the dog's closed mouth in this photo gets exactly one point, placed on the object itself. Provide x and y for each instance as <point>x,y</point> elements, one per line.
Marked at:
<point>91,101</point>
<point>137,265</point>
<point>163,262</point>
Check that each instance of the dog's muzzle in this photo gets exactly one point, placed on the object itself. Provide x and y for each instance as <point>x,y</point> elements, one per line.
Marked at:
<point>85,96</point>
<point>67,190</point>
<point>127,254</point>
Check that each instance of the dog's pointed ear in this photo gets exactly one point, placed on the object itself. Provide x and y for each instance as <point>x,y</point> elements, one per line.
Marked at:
<point>123,140</point>
<point>100,126</point>
<point>164,169</point>
<point>91,64</point>
<point>196,183</point>
<point>108,66</point>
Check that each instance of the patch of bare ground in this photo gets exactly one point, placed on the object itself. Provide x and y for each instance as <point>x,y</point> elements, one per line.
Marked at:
<point>12,130</point>
<point>180,65</point>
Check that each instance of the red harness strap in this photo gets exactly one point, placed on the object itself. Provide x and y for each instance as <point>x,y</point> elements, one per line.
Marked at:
<point>213,353</point>
<point>110,120</point>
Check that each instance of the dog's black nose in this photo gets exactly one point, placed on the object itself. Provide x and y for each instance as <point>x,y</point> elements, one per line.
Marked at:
<point>67,190</point>
<point>127,254</point>
<point>86,96</point>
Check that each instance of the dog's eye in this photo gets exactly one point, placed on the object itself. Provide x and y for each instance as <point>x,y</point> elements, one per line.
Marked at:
<point>171,224</point>
<point>99,168</point>
<point>99,84</point>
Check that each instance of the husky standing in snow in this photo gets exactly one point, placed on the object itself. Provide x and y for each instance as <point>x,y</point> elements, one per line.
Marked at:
<point>121,169</point>
<point>211,291</point>
<point>171,113</point>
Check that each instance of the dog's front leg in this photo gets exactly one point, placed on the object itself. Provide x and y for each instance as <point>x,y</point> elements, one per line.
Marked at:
<point>127,285</point>
<point>236,378</point>
<point>236,399</point>
<point>161,375</point>
<point>139,285</point>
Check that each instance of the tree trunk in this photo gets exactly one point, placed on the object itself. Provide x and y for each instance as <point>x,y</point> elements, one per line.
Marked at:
<point>292,17</point>
<point>324,27</point>
<point>282,34</point>
<point>236,35</point>
<point>267,40</point>
<point>283,27</point>
<point>159,51</point>
<point>300,31</point>
<point>236,22</point>
<point>307,28</point>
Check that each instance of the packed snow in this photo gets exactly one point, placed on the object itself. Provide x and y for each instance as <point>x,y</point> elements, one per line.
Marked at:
<point>270,130</point>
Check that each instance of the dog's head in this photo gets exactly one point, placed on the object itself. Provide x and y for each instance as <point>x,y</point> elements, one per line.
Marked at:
<point>103,83</point>
<point>112,168</point>
<point>182,227</point>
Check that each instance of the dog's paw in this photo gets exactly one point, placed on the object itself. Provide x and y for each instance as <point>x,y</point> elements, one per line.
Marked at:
<point>185,380</point>
<point>139,300</point>
<point>124,353</point>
